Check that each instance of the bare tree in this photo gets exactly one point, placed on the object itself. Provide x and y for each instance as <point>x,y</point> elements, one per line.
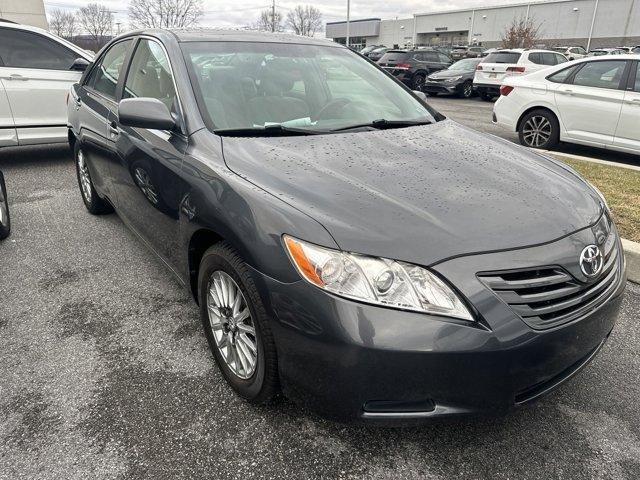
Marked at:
<point>270,22</point>
<point>63,23</point>
<point>305,20</point>
<point>97,21</point>
<point>164,13</point>
<point>521,33</point>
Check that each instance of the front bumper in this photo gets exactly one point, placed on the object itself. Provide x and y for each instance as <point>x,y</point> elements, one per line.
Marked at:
<point>348,360</point>
<point>441,87</point>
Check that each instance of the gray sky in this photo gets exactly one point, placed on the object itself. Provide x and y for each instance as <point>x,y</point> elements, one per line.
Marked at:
<point>222,13</point>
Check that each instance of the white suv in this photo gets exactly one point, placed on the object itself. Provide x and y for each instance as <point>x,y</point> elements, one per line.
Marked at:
<point>505,63</point>
<point>36,71</point>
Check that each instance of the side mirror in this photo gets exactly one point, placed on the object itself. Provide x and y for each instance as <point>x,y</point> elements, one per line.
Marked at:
<point>79,65</point>
<point>420,95</point>
<point>145,113</point>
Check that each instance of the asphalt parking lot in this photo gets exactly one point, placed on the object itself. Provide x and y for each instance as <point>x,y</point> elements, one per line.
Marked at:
<point>105,373</point>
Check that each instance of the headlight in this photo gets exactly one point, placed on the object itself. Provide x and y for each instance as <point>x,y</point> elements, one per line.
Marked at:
<point>453,79</point>
<point>600,194</point>
<point>375,280</point>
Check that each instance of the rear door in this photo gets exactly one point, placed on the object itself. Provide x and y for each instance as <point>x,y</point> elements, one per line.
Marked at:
<point>590,102</point>
<point>147,169</point>
<point>8,135</point>
<point>495,67</point>
<point>628,132</point>
<point>36,74</point>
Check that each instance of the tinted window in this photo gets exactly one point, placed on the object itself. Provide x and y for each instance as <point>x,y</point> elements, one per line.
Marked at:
<point>560,58</point>
<point>150,74</point>
<point>637,84</point>
<point>104,76</point>
<point>535,58</point>
<point>443,58</point>
<point>562,75</point>
<point>394,57</point>
<point>605,74</point>
<point>549,59</point>
<point>503,57</point>
<point>20,49</point>
<point>431,57</point>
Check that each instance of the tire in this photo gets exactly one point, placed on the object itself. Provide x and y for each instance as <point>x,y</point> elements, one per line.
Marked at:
<point>431,94</point>
<point>5,218</point>
<point>466,90</point>
<point>487,97</point>
<point>417,81</point>
<point>95,205</point>
<point>261,384</point>
<point>539,129</point>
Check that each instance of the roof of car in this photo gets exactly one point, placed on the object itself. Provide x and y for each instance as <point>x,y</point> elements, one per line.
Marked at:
<point>230,35</point>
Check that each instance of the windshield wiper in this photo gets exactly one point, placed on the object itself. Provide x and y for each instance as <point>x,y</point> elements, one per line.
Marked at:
<point>276,130</point>
<point>383,124</point>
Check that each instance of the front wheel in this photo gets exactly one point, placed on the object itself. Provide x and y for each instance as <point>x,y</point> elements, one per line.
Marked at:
<point>539,129</point>
<point>236,325</point>
<point>5,220</point>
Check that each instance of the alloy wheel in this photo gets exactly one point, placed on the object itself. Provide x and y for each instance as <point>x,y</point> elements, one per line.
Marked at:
<point>4,210</point>
<point>85,178</point>
<point>537,131</point>
<point>467,90</point>
<point>231,325</point>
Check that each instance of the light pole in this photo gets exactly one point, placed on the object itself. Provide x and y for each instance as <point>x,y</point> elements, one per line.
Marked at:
<point>273,16</point>
<point>593,22</point>
<point>348,14</point>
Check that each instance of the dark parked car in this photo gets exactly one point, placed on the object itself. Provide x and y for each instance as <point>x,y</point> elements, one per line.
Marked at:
<point>413,66</point>
<point>378,53</point>
<point>458,53</point>
<point>457,79</point>
<point>5,220</point>
<point>382,275</point>
<point>368,49</point>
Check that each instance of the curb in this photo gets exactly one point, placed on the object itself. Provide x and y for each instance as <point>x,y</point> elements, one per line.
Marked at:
<point>632,254</point>
<point>553,153</point>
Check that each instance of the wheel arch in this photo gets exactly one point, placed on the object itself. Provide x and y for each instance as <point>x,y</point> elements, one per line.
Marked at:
<point>201,240</point>
<point>537,107</point>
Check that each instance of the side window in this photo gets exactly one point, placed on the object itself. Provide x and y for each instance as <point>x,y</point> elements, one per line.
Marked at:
<point>535,58</point>
<point>636,87</point>
<point>150,74</point>
<point>603,74</point>
<point>581,51</point>
<point>562,75</point>
<point>104,76</point>
<point>549,59</point>
<point>419,57</point>
<point>560,59</point>
<point>443,58</point>
<point>20,49</point>
<point>430,57</point>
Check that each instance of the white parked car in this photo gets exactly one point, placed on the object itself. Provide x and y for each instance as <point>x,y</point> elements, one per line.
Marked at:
<point>572,53</point>
<point>594,101</point>
<point>36,71</point>
<point>509,62</point>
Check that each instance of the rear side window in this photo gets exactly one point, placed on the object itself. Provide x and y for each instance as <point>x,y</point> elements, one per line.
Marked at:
<point>443,58</point>
<point>636,87</point>
<point>394,57</point>
<point>503,57</point>
<point>431,56</point>
<point>535,58</point>
<point>20,49</point>
<point>562,75</point>
<point>104,76</point>
<point>605,74</point>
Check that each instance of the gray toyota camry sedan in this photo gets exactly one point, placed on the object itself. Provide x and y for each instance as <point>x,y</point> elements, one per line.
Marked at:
<point>347,245</point>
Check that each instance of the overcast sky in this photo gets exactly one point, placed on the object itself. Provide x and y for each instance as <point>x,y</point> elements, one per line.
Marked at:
<point>241,13</point>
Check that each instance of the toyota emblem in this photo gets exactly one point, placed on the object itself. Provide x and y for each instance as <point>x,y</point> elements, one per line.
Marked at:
<point>591,261</point>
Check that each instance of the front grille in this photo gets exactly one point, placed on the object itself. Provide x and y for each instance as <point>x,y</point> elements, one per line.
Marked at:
<point>546,297</point>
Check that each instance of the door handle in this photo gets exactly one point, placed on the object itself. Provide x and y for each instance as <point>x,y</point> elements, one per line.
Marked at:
<point>16,76</point>
<point>114,131</point>
<point>567,92</point>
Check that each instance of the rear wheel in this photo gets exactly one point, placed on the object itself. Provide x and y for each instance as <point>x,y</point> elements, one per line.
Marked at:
<point>539,129</point>
<point>5,220</point>
<point>236,325</point>
<point>466,90</point>
<point>417,81</point>
<point>91,199</point>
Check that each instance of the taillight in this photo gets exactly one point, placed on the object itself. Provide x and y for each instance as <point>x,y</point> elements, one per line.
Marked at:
<point>404,65</point>
<point>479,67</point>
<point>505,90</point>
<point>516,69</point>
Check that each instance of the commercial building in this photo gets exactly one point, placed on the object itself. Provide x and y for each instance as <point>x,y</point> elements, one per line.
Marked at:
<point>28,12</point>
<point>600,23</point>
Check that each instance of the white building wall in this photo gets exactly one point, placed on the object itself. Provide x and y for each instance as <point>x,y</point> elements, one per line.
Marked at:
<point>28,12</point>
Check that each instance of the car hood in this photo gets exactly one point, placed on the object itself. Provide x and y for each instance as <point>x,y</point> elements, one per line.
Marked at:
<point>450,73</point>
<point>420,194</point>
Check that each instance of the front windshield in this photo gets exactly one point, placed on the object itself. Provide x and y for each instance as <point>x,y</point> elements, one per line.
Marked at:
<point>251,85</point>
<point>465,65</point>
